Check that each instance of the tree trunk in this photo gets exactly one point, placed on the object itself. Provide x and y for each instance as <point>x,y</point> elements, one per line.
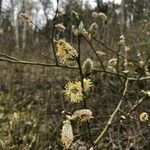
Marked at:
<point>122,17</point>
<point>0,6</point>
<point>17,36</point>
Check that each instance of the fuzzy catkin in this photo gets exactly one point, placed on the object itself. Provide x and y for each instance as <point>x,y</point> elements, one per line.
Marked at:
<point>144,117</point>
<point>60,27</point>
<point>82,115</point>
<point>87,67</point>
<point>66,134</point>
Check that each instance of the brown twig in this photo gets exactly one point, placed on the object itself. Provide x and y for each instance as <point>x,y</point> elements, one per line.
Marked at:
<point>129,59</point>
<point>82,84</point>
<point>53,33</point>
<point>99,58</point>
<point>7,56</point>
<point>36,63</point>
<point>113,115</point>
<point>136,105</point>
<point>19,61</point>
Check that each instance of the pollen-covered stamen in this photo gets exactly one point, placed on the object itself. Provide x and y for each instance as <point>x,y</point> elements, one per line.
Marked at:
<point>73,92</point>
<point>65,51</point>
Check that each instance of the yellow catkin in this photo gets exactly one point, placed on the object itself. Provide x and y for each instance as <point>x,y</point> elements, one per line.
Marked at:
<point>65,51</point>
<point>73,92</point>
<point>66,134</point>
<point>87,84</point>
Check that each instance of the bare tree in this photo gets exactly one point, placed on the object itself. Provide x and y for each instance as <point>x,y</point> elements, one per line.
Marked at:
<point>0,6</point>
<point>122,17</point>
<point>47,6</point>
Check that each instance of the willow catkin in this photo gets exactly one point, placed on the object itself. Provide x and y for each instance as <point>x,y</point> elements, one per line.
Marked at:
<point>103,16</point>
<point>144,117</point>
<point>93,28</point>
<point>60,27</point>
<point>87,67</point>
<point>80,27</point>
<point>95,14</point>
<point>82,115</point>
<point>66,134</point>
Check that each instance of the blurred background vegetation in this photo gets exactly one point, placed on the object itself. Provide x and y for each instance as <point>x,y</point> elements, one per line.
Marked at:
<point>32,98</point>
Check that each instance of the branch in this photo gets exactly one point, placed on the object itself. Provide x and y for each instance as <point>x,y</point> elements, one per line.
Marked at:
<point>35,63</point>
<point>7,56</point>
<point>136,105</point>
<point>99,58</point>
<point>113,114</point>
<point>129,59</point>
<point>142,78</point>
<point>82,84</point>
<point>19,61</point>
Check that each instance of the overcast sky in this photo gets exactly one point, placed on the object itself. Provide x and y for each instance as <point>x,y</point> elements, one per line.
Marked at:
<point>92,2</point>
<point>38,15</point>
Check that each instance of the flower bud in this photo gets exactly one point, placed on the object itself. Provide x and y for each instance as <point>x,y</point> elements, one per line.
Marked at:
<point>61,12</point>
<point>60,27</point>
<point>103,16</point>
<point>144,117</point>
<point>95,14</point>
<point>87,67</point>
<point>112,62</point>
<point>75,14</point>
<point>74,30</point>
<point>80,27</point>
<point>121,41</point>
<point>93,28</point>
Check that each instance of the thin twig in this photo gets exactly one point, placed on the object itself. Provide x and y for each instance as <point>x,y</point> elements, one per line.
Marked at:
<point>7,56</point>
<point>36,63</point>
<point>53,33</point>
<point>142,78</point>
<point>136,105</point>
<point>118,64</point>
<point>51,39</point>
<point>18,61</point>
<point>129,59</point>
<point>95,53</point>
<point>82,84</point>
<point>113,115</point>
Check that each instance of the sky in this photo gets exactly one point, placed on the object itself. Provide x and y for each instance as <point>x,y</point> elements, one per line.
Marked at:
<point>92,2</point>
<point>38,12</point>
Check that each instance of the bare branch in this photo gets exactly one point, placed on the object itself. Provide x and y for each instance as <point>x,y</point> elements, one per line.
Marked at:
<point>113,114</point>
